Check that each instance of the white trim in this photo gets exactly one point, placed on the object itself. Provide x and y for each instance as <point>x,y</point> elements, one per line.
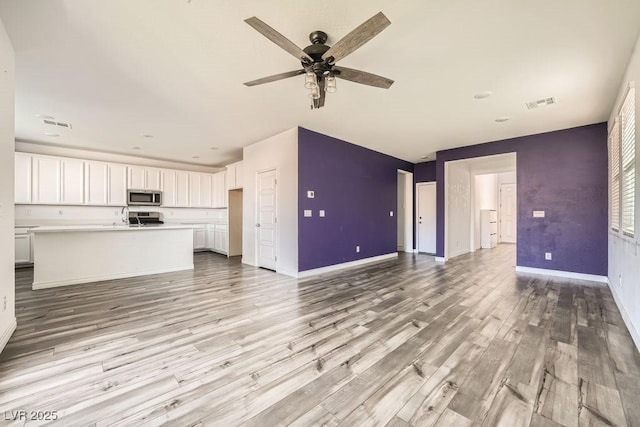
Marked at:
<point>565,274</point>
<point>76,281</point>
<point>635,335</point>
<point>415,251</point>
<point>440,259</point>
<point>344,265</point>
<point>6,334</point>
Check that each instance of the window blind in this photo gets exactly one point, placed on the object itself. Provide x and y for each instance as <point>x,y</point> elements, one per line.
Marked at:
<point>614,170</point>
<point>628,148</point>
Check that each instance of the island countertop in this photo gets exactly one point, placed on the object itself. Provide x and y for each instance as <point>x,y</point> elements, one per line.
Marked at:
<point>101,228</point>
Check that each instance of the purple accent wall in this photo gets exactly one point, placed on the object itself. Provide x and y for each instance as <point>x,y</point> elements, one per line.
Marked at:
<point>357,188</point>
<point>563,173</point>
<point>424,172</point>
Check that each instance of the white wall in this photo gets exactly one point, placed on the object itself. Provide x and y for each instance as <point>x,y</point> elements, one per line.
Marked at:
<point>279,152</point>
<point>7,135</point>
<point>51,215</point>
<point>624,253</point>
<point>457,209</point>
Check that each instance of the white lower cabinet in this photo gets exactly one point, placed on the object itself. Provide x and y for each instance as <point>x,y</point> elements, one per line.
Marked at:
<point>199,238</point>
<point>23,246</point>
<point>218,238</point>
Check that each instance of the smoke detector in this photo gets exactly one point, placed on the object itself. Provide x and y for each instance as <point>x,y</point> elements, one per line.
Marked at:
<point>540,103</point>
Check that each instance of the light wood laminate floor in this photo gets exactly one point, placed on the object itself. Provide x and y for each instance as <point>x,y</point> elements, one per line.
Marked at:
<point>404,342</point>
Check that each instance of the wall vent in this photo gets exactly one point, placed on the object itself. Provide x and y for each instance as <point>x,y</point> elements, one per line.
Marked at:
<point>54,123</point>
<point>541,103</point>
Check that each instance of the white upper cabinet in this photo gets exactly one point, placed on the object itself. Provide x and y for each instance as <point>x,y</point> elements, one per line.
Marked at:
<point>23,178</point>
<point>46,180</point>
<point>153,179</point>
<point>219,190</point>
<point>105,184</point>
<point>194,190</point>
<point>206,190</point>
<point>117,185</point>
<point>72,182</point>
<point>234,176</point>
<point>182,189</point>
<point>136,178</point>
<point>96,188</point>
<point>144,178</point>
<point>168,188</point>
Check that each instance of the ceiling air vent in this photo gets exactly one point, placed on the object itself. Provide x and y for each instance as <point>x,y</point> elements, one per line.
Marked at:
<point>541,103</point>
<point>54,123</point>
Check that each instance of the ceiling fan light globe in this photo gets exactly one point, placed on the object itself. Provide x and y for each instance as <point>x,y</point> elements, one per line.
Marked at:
<point>310,80</point>
<point>330,84</point>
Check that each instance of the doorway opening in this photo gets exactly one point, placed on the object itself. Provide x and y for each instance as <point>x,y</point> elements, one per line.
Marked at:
<point>404,211</point>
<point>480,203</point>
<point>235,222</point>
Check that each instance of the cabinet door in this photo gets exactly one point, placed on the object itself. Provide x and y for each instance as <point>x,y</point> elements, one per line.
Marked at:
<point>219,190</point>
<point>206,190</point>
<point>194,190</point>
<point>117,185</point>
<point>46,180</point>
<point>96,183</point>
<point>211,241</point>
<point>22,178</point>
<point>136,178</point>
<point>23,248</point>
<point>168,188</point>
<point>72,179</point>
<point>182,189</point>
<point>199,238</point>
<point>153,179</point>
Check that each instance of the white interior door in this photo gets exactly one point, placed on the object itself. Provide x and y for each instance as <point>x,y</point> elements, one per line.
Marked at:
<point>266,225</point>
<point>426,203</point>
<point>400,212</point>
<point>508,213</point>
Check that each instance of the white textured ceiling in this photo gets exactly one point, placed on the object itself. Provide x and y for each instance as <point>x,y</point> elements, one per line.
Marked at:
<point>118,69</point>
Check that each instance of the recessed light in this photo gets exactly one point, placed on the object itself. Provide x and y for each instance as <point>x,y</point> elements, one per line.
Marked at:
<point>502,119</point>
<point>147,135</point>
<point>51,134</point>
<point>482,95</point>
<point>424,157</point>
<point>44,116</point>
<point>213,148</point>
<point>136,148</point>
<point>195,157</point>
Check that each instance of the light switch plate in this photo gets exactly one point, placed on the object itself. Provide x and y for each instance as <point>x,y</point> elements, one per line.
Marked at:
<point>308,213</point>
<point>311,194</point>
<point>547,256</point>
<point>321,213</point>
<point>538,214</point>
<point>390,213</point>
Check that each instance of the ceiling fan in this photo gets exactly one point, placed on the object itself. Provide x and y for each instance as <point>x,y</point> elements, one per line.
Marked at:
<point>318,60</point>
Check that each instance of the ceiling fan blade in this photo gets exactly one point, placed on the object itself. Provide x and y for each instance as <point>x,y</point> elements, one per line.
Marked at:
<point>277,38</point>
<point>362,77</point>
<point>274,78</point>
<point>359,36</point>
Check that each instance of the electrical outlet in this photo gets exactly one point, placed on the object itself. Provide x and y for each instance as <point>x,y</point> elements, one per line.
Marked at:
<point>357,248</point>
<point>60,212</point>
<point>27,212</point>
<point>620,279</point>
<point>547,256</point>
<point>321,213</point>
<point>390,213</point>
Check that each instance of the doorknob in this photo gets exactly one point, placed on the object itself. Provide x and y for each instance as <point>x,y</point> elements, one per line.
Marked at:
<point>258,225</point>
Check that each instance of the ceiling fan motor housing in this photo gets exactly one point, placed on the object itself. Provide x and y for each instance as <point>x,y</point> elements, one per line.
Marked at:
<point>315,51</point>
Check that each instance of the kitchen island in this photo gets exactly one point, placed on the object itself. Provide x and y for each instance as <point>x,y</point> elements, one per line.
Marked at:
<point>68,255</point>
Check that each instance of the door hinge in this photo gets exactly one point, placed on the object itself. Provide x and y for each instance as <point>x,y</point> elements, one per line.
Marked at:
<point>276,182</point>
<point>275,258</point>
<point>275,220</point>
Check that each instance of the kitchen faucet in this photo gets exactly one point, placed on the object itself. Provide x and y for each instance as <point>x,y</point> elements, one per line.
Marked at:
<point>125,219</point>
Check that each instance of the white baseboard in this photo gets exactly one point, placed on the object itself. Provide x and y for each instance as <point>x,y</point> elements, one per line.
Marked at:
<point>79,280</point>
<point>6,334</point>
<point>344,265</point>
<point>440,259</point>
<point>565,274</point>
<point>635,335</point>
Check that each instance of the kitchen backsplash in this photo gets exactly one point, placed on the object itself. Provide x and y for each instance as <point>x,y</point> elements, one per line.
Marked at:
<point>63,215</point>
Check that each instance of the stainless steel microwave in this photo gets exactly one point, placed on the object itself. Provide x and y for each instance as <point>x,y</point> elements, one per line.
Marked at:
<point>144,198</point>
